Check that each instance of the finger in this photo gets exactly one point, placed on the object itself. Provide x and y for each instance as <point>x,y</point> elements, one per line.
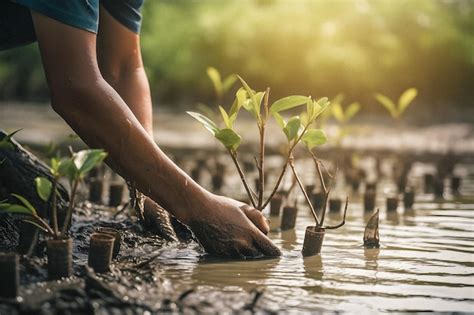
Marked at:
<point>257,218</point>
<point>265,245</point>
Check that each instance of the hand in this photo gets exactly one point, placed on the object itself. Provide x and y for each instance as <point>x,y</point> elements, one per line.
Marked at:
<point>226,227</point>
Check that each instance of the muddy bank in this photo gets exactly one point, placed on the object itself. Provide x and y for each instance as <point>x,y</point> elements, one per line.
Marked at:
<point>133,286</point>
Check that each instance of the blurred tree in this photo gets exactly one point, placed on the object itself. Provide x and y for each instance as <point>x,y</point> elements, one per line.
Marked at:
<point>317,47</point>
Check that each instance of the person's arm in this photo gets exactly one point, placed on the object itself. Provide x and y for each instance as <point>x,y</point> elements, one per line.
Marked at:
<point>121,65</point>
<point>102,119</point>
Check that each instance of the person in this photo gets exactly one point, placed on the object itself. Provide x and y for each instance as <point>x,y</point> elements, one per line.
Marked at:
<point>91,55</point>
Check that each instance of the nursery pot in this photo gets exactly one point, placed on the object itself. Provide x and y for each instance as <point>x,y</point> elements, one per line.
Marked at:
<point>313,240</point>
<point>117,238</point>
<point>455,185</point>
<point>275,205</point>
<point>217,181</point>
<point>288,218</point>
<point>335,205</point>
<point>408,199</point>
<point>96,188</point>
<point>115,194</point>
<point>100,251</point>
<point>318,200</point>
<point>392,204</point>
<point>9,275</point>
<point>371,186</point>
<point>438,188</point>
<point>428,180</point>
<point>369,200</point>
<point>59,258</point>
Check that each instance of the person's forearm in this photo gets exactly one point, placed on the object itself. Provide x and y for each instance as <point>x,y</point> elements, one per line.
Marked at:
<point>103,120</point>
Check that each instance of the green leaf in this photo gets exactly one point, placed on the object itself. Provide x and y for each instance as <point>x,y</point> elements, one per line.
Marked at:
<point>43,188</point>
<point>228,82</point>
<point>406,98</point>
<point>288,102</point>
<point>229,138</point>
<point>337,112</point>
<point>352,110</point>
<point>225,117</point>
<point>206,110</point>
<point>240,97</point>
<point>323,101</point>
<point>86,160</point>
<point>68,169</point>
<point>292,127</point>
<point>251,105</point>
<point>207,123</point>
<point>26,203</point>
<point>36,223</point>
<point>17,209</point>
<point>388,104</point>
<point>54,166</point>
<point>313,138</point>
<point>279,119</point>
<point>215,77</point>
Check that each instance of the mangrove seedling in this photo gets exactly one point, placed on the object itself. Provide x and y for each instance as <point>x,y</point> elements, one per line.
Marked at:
<point>343,116</point>
<point>371,232</point>
<point>295,130</point>
<point>59,248</point>
<point>221,86</point>
<point>397,110</point>
<point>315,234</point>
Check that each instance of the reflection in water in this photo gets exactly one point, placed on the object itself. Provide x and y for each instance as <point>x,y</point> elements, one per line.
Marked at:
<point>313,269</point>
<point>371,257</point>
<point>275,222</point>
<point>288,239</point>
<point>393,218</point>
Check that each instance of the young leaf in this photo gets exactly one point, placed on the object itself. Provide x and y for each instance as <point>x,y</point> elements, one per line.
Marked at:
<point>5,142</point>
<point>406,98</point>
<point>17,209</point>
<point>240,97</point>
<point>253,106</point>
<point>26,203</point>
<point>207,123</point>
<point>229,138</point>
<point>215,77</point>
<point>292,127</point>
<point>288,102</point>
<point>388,104</point>
<point>337,112</point>
<point>313,138</point>
<point>36,223</point>
<point>86,160</point>
<point>68,169</point>
<point>225,117</point>
<point>43,188</point>
<point>54,166</point>
<point>228,82</point>
<point>279,119</point>
<point>323,101</point>
<point>351,110</point>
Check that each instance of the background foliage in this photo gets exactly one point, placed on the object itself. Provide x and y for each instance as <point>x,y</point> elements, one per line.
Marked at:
<point>317,47</point>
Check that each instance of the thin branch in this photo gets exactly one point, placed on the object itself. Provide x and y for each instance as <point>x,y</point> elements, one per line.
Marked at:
<point>292,165</point>
<point>343,218</point>
<point>233,155</point>
<point>320,174</point>
<point>54,210</point>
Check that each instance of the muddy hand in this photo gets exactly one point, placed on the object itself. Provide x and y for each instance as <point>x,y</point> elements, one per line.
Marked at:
<point>226,227</point>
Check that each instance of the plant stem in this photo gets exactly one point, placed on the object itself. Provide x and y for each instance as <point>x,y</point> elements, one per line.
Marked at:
<point>54,210</point>
<point>290,152</point>
<point>70,208</point>
<point>320,174</point>
<point>292,165</point>
<point>233,155</point>
<point>343,218</point>
<point>46,226</point>
<point>261,166</point>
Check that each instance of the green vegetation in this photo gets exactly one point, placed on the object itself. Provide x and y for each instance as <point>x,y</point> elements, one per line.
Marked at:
<point>74,170</point>
<point>297,129</point>
<point>317,47</point>
<point>397,110</point>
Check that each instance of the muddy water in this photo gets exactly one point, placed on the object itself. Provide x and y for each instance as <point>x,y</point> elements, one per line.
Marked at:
<point>425,263</point>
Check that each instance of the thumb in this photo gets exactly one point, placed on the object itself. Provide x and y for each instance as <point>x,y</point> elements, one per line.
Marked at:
<point>257,218</point>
